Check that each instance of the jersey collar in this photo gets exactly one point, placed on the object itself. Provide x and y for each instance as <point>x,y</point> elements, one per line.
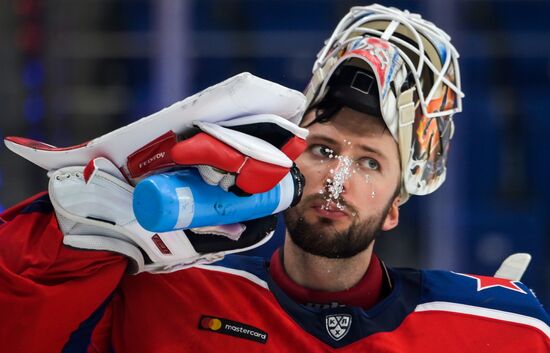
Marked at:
<point>372,288</point>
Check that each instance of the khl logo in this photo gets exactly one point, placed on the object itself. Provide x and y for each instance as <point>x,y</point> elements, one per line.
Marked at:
<point>338,325</point>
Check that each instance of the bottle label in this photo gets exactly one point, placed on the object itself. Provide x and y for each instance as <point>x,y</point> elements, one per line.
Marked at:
<point>186,207</point>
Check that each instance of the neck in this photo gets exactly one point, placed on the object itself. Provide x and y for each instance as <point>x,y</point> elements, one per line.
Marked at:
<point>321,273</point>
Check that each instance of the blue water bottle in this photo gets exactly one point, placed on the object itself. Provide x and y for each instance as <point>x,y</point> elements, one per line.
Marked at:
<point>182,200</point>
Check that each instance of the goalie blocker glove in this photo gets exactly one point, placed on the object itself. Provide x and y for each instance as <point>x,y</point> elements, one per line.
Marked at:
<point>244,118</point>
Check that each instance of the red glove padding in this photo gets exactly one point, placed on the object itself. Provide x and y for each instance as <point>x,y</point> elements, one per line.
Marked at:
<point>253,176</point>
<point>257,150</point>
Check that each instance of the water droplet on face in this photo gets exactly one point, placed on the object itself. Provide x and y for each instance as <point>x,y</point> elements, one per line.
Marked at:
<point>335,185</point>
<point>369,181</point>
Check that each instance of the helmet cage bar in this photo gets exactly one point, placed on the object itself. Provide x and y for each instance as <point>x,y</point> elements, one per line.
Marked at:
<point>429,32</point>
<point>360,11</point>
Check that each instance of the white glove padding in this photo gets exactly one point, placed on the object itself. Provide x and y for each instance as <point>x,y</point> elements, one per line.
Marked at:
<point>246,155</point>
<point>94,209</point>
<point>143,147</point>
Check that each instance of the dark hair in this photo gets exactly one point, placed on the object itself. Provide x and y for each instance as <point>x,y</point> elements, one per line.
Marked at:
<point>324,111</point>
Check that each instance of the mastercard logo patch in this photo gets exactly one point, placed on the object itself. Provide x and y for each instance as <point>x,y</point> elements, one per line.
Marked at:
<point>211,323</point>
<point>228,327</point>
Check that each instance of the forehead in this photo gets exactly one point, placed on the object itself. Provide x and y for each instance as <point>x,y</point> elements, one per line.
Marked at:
<point>349,123</point>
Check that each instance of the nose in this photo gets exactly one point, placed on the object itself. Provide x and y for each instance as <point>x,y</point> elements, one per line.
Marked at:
<point>338,176</point>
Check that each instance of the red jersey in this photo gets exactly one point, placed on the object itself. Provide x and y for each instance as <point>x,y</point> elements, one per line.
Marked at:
<point>56,299</point>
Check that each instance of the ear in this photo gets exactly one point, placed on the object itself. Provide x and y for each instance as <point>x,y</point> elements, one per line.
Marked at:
<point>392,217</point>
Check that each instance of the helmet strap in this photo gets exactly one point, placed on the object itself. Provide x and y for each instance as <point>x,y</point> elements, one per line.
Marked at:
<point>405,105</point>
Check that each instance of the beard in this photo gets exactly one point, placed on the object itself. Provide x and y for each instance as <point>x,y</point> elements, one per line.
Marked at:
<point>322,239</point>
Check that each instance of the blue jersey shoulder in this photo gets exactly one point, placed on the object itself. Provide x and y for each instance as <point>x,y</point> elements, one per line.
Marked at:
<point>481,291</point>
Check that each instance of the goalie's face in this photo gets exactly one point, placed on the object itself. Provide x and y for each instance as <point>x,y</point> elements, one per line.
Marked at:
<point>352,172</point>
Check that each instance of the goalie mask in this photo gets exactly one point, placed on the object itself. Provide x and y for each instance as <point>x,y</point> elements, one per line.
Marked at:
<point>395,65</point>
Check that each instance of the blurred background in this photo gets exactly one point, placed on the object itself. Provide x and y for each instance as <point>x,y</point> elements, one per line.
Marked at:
<point>74,70</point>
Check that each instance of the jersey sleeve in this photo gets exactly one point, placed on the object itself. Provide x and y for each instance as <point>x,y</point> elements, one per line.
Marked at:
<point>51,296</point>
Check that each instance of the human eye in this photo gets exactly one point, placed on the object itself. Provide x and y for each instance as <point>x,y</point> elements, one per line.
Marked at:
<point>369,163</point>
<point>321,151</point>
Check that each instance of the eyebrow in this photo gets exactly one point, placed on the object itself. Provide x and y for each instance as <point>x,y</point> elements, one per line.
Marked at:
<point>330,140</point>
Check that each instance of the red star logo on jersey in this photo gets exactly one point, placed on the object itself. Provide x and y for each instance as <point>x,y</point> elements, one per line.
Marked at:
<point>484,282</point>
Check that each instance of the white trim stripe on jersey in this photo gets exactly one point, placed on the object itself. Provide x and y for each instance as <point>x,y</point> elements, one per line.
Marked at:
<point>249,276</point>
<point>485,312</point>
